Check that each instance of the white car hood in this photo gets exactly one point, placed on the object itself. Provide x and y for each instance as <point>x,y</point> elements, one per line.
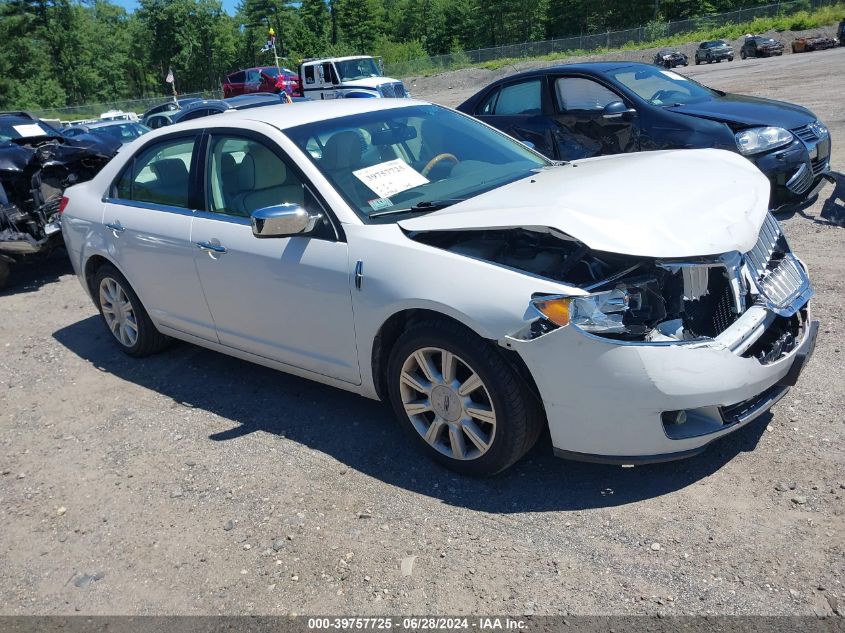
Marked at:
<point>666,204</point>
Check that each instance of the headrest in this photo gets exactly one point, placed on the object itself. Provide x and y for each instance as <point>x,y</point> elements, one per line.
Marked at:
<point>171,172</point>
<point>342,151</point>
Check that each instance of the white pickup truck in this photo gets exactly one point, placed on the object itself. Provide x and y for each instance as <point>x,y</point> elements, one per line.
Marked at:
<point>347,78</point>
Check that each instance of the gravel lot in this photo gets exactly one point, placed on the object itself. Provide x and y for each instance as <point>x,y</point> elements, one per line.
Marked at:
<point>193,483</point>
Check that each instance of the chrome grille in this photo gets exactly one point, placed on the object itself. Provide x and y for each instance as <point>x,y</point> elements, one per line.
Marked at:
<point>806,133</point>
<point>757,259</point>
<point>801,180</point>
<point>819,166</point>
<point>782,283</point>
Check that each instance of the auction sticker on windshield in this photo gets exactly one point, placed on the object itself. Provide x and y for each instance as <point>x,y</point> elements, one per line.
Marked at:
<point>674,76</point>
<point>387,179</point>
<point>29,129</point>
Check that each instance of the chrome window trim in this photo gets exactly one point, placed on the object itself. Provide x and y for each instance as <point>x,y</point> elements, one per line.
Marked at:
<point>152,206</point>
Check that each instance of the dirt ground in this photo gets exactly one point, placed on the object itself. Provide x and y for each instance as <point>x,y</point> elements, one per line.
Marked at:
<point>193,483</point>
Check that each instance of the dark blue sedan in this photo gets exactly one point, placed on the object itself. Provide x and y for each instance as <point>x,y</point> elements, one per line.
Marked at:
<point>581,110</point>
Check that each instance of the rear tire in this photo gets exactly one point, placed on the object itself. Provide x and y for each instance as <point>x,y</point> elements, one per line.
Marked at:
<point>462,403</point>
<point>124,314</point>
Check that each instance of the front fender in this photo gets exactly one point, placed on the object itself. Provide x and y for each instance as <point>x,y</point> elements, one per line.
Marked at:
<point>399,274</point>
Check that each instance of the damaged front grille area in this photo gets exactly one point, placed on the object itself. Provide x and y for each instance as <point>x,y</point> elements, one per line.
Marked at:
<point>643,300</point>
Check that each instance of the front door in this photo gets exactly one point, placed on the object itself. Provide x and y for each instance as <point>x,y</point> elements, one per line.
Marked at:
<point>286,299</point>
<point>585,129</point>
<point>148,217</point>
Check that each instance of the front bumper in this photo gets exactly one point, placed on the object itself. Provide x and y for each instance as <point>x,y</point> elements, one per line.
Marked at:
<point>604,399</point>
<point>797,171</point>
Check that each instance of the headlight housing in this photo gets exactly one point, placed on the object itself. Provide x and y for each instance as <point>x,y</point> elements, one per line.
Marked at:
<point>760,139</point>
<point>600,312</point>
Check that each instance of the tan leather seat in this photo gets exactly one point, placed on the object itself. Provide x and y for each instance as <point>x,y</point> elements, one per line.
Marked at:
<point>264,181</point>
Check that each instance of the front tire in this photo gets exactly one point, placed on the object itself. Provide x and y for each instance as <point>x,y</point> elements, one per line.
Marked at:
<point>5,271</point>
<point>464,406</point>
<point>124,315</point>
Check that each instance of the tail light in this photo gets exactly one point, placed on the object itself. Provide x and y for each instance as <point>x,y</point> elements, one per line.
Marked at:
<point>63,203</point>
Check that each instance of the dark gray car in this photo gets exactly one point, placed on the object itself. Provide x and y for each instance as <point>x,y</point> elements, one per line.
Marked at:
<point>714,51</point>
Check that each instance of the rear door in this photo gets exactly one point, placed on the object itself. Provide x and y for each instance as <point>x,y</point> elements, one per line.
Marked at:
<point>585,129</point>
<point>252,81</point>
<point>517,109</point>
<point>148,219</point>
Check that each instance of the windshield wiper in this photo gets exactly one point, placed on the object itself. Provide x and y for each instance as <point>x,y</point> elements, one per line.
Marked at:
<point>425,206</point>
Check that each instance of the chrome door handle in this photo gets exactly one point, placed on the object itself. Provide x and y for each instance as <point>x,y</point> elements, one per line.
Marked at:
<point>115,227</point>
<point>209,247</point>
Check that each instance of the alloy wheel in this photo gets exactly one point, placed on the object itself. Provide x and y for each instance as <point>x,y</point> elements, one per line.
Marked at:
<point>118,312</point>
<point>447,403</point>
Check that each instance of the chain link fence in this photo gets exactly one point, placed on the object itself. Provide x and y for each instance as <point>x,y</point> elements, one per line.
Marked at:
<point>91,111</point>
<point>595,41</point>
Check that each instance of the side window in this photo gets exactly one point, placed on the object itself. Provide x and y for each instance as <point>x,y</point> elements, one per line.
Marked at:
<point>198,114</point>
<point>245,175</point>
<point>488,106</point>
<point>252,76</point>
<point>577,93</point>
<point>159,175</point>
<point>521,98</point>
<point>309,74</point>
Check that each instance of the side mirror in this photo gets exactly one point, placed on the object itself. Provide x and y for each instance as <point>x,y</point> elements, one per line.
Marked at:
<point>282,220</point>
<point>616,110</point>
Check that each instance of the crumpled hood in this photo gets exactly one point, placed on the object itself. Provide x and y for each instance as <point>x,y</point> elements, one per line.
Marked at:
<point>745,110</point>
<point>666,204</point>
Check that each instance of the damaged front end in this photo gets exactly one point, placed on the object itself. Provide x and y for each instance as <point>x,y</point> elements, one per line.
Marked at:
<point>649,300</point>
<point>36,165</point>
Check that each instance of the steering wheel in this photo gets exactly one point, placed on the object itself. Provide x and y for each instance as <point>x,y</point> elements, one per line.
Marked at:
<point>662,96</point>
<point>430,165</point>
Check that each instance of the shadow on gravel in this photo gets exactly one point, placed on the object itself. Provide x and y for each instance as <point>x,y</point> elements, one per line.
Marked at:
<point>31,274</point>
<point>833,209</point>
<point>363,435</point>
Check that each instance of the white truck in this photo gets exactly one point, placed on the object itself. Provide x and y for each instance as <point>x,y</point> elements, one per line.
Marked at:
<point>347,78</point>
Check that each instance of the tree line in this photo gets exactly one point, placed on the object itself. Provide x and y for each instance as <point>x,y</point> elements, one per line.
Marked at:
<point>67,52</point>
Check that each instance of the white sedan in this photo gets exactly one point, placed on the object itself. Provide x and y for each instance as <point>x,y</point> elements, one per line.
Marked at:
<point>406,252</point>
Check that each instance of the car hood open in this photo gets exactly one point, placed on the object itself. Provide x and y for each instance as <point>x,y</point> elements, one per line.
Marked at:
<point>744,110</point>
<point>666,204</point>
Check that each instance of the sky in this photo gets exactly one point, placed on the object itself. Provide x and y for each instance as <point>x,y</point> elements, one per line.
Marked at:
<point>229,6</point>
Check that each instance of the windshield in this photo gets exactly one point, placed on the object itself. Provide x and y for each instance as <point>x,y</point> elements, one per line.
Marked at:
<point>352,69</point>
<point>412,159</point>
<point>123,132</point>
<point>661,87</point>
<point>15,128</point>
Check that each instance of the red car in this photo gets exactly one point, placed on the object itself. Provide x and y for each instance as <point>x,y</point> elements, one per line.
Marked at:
<point>261,79</point>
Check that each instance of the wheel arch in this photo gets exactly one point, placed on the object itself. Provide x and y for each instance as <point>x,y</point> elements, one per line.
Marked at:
<point>401,320</point>
<point>89,271</point>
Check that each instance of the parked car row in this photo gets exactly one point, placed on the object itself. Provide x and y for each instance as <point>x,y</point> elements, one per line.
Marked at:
<point>410,253</point>
<point>582,110</point>
<point>353,77</point>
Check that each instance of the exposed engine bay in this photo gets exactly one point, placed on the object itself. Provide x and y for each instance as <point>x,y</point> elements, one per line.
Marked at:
<point>37,163</point>
<point>635,298</point>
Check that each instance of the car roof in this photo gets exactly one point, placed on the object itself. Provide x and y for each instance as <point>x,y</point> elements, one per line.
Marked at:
<point>336,59</point>
<point>288,115</point>
<point>97,124</point>
<point>251,99</point>
<point>585,67</point>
